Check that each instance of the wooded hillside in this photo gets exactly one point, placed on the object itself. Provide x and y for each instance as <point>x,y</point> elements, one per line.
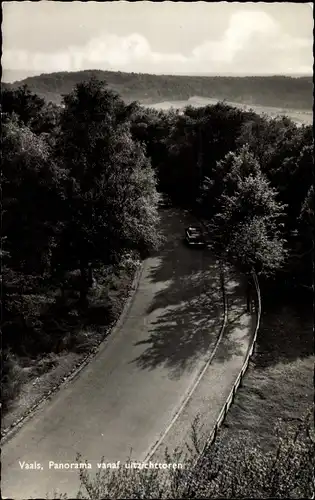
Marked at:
<point>279,91</point>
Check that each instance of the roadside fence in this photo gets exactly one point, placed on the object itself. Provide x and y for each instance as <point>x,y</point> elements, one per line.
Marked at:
<point>211,439</point>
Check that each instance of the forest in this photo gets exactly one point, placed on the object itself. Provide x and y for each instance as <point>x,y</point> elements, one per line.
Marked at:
<point>80,192</point>
<point>278,91</point>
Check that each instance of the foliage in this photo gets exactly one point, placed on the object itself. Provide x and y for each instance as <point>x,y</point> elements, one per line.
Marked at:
<point>32,190</point>
<point>245,215</point>
<point>23,102</point>
<point>240,470</point>
<point>12,378</point>
<point>111,196</point>
<point>80,189</point>
<point>285,472</point>
<point>252,247</point>
<point>78,193</point>
<point>194,141</point>
<point>301,252</point>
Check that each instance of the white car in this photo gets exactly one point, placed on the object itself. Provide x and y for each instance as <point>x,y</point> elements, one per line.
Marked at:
<point>194,237</point>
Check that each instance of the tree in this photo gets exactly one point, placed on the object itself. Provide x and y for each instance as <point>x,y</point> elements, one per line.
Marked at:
<point>253,246</point>
<point>32,189</point>
<point>24,103</point>
<point>290,170</point>
<point>47,120</point>
<point>153,128</point>
<point>246,223</point>
<point>224,178</point>
<point>197,139</point>
<point>111,193</point>
<point>265,135</point>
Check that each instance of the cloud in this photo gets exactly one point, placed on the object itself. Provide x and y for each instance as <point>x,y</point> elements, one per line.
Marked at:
<point>253,42</point>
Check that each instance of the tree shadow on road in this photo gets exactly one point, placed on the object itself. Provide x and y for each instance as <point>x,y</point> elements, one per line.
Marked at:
<point>183,334</point>
<point>188,310</point>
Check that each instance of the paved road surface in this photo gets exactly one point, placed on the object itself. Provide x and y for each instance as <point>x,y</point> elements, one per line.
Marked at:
<point>219,376</point>
<point>126,397</point>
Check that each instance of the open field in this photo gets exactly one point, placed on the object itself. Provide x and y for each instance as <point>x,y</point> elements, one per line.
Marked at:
<point>298,116</point>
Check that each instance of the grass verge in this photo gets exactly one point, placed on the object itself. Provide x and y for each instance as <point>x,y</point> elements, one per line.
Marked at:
<point>278,386</point>
<point>241,471</point>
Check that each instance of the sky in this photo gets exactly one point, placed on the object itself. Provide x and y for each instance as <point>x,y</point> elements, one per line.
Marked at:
<point>160,38</point>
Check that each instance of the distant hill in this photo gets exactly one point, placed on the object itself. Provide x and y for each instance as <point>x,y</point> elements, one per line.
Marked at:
<point>278,91</point>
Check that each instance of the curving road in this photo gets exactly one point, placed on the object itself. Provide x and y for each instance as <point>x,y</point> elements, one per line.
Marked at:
<point>129,394</point>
